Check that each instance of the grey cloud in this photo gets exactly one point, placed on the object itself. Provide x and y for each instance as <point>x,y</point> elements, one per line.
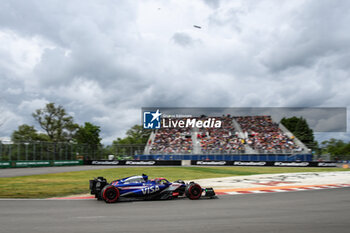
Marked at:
<point>183,39</point>
<point>66,22</point>
<point>212,3</point>
<point>315,33</point>
<point>103,61</point>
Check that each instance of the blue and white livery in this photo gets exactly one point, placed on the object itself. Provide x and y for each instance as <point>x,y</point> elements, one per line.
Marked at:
<point>140,187</point>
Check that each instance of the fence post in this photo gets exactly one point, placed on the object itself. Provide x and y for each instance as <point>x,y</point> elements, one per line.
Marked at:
<point>70,151</point>
<point>34,154</point>
<point>18,145</point>
<point>54,150</point>
<point>26,148</point>
<point>60,150</point>
<point>41,150</point>
<point>10,153</point>
<point>66,150</point>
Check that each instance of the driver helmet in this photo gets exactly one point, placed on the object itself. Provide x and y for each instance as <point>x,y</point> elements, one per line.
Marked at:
<point>145,177</point>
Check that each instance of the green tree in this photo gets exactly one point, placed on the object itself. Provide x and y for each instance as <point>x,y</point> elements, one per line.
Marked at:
<point>133,143</point>
<point>108,150</point>
<point>136,135</point>
<point>58,125</point>
<point>290,123</point>
<point>27,133</point>
<point>300,128</point>
<point>303,132</point>
<point>338,149</point>
<point>88,134</point>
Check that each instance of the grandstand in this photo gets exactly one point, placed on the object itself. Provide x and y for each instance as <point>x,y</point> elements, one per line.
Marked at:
<point>265,136</point>
<point>221,140</point>
<point>174,140</point>
<point>240,138</point>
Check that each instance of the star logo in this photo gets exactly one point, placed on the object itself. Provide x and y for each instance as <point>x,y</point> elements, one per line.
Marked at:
<point>156,115</point>
<point>151,120</point>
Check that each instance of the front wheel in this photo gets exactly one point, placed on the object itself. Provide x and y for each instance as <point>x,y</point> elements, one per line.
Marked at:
<point>110,194</point>
<point>193,191</point>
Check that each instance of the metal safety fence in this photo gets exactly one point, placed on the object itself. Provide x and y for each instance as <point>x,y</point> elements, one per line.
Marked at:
<point>38,151</point>
<point>227,157</point>
<point>24,151</point>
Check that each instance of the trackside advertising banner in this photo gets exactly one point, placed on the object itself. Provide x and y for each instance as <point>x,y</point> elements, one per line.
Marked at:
<point>207,163</point>
<point>40,163</point>
<point>67,162</point>
<point>262,163</point>
<point>5,164</point>
<point>134,162</point>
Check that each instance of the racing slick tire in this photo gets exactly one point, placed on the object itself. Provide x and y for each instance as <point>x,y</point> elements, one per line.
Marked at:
<point>110,194</point>
<point>193,191</point>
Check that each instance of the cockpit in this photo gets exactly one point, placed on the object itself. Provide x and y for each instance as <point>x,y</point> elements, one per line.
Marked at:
<point>133,180</point>
<point>160,181</point>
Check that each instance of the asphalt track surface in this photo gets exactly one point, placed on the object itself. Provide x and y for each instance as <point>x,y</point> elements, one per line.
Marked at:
<point>12,172</point>
<point>319,211</point>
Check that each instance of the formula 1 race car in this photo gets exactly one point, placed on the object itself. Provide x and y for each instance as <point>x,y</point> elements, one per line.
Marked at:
<point>140,187</point>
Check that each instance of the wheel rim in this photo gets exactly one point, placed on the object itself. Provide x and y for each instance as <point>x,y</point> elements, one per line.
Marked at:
<point>111,194</point>
<point>195,191</point>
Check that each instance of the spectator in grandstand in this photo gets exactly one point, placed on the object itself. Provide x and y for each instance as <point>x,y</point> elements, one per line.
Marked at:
<point>221,140</point>
<point>172,140</point>
<point>265,136</point>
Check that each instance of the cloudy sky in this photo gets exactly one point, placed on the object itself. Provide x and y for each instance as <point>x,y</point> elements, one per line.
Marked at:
<point>104,60</point>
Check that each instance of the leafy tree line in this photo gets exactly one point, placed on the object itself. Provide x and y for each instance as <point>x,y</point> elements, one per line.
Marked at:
<point>300,128</point>
<point>58,126</point>
<point>134,142</point>
<point>337,149</point>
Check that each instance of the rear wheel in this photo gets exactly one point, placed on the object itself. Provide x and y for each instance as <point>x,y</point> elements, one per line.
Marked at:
<point>193,191</point>
<point>110,194</point>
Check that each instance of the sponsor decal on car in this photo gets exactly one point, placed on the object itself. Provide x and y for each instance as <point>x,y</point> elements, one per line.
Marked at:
<point>150,190</point>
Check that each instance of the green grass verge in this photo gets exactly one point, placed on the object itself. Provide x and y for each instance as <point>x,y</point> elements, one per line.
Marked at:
<point>69,183</point>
